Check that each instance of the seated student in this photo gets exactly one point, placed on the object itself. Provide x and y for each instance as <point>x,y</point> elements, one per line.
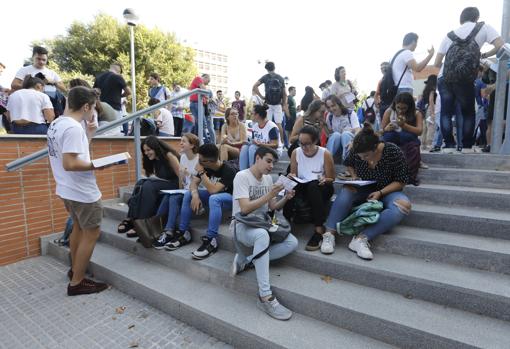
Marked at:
<point>29,109</point>
<point>163,118</point>
<point>171,204</point>
<point>314,164</point>
<point>371,159</point>
<point>343,125</point>
<point>265,132</point>
<point>217,177</point>
<point>314,116</point>
<point>158,160</point>
<point>233,135</point>
<point>254,192</point>
<point>402,124</point>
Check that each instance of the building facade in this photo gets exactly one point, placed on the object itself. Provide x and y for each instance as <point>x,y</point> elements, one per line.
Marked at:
<point>216,65</point>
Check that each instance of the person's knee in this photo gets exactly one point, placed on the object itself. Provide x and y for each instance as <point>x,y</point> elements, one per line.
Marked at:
<point>403,205</point>
<point>91,234</point>
<point>292,242</point>
<point>262,237</point>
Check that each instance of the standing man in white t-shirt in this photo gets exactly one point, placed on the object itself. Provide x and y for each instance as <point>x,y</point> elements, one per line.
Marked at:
<point>405,63</point>
<point>68,149</point>
<point>39,61</point>
<point>458,92</point>
<point>254,193</point>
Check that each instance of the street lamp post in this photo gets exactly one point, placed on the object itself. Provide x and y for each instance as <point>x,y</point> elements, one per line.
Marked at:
<point>132,19</point>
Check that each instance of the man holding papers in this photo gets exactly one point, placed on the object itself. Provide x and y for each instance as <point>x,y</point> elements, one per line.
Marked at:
<point>372,160</point>
<point>68,149</point>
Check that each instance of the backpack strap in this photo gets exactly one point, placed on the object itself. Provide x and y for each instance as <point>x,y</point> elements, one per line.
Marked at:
<point>393,60</point>
<point>453,37</point>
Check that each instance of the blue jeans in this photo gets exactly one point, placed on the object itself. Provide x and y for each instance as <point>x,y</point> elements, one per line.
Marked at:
<point>459,100</point>
<point>400,138</point>
<point>259,239</point>
<point>438,136</point>
<point>188,126</point>
<point>405,89</point>
<point>171,205</point>
<point>391,215</point>
<point>247,156</point>
<point>337,141</point>
<point>30,129</point>
<point>216,203</point>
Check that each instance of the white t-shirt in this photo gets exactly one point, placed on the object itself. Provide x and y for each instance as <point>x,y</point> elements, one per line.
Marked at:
<point>487,34</point>
<point>167,121</point>
<point>398,67</point>
<point>48,73</point>
<point>310,168</point>
<point>28,104</point>
<point>343,123</point>
<point>66,135</point>
<point>246,186</point>
<point>268,133</point>
<point>187,169</point>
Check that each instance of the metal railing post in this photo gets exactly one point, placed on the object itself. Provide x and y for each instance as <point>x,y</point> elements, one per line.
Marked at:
<point>136,122</point>
<point>200,119</point>
<point>499,106</point>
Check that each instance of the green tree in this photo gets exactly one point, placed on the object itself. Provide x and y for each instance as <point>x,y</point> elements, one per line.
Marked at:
<point>88,49</point>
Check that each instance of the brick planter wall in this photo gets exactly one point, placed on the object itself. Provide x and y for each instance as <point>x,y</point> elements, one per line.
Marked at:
<point>28,204</point>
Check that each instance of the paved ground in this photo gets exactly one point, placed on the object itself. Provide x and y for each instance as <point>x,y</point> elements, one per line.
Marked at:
<point>35,312</point>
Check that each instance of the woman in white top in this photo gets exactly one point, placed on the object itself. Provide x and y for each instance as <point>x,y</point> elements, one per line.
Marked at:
<point>265,133</point>
<point>342,123</point>
<point>29,109</point>
<point>233,135</point>
<point>313,165</point>
<point>171,203</point>
<point>163,118</point>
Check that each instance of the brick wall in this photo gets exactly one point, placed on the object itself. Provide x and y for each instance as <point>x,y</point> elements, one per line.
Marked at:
<point>28,204</point>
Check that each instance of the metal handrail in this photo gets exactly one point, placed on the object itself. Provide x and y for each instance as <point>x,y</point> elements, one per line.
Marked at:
<point>26,160</point>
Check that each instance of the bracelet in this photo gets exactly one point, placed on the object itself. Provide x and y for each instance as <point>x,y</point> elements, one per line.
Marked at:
<point>380,191</point>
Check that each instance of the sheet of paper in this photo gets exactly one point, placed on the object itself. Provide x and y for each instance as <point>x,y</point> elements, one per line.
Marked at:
<point>299,180</point>
<point>349,97</point>
<point>116,159</point>
<point>174,191</point>
<point>358,183</point>
<point>288,184</point>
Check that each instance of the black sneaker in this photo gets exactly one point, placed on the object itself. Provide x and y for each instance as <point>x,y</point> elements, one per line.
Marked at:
<point>435,149</point>
<point>486,149</point>
<point>208,247</point>
<point>163,240</point>
<point>86,286</point>
<point>314,243</point>
<point>180,239</point>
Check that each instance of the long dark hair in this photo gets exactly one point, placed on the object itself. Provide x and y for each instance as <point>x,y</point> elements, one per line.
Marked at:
<point>407,99</point>
<point>161,149</point>
<point>430,86</point>
<point>307,98</point>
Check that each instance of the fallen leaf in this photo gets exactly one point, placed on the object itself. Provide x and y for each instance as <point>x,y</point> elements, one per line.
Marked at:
<point>120,310</point>
<point>130,327</point>
<point>326,278</point>
<point>133,345</point>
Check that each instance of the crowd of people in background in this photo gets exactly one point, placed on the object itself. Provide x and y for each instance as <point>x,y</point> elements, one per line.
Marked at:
<point>378,138</point>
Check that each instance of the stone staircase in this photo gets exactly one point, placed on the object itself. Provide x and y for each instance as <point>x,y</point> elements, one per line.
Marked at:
<point>439,280</point>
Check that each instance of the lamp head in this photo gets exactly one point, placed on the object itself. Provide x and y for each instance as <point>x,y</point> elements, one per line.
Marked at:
<point>130,16</point>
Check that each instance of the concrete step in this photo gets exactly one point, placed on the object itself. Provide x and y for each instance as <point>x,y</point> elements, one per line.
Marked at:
<point>370,312</point>
<point>453,195</point>
<point>453,286</point>
<point>466,177</point>
<point>462,220</point>
<point>223,313</point>
<point>474,161</point>
<point>433,245</point>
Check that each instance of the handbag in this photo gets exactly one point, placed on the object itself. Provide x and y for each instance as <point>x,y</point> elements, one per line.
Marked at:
<point>148,229</point>
<point>276,225</point>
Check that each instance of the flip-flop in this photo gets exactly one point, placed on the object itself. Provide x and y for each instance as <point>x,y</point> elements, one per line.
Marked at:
<point>124,226</point>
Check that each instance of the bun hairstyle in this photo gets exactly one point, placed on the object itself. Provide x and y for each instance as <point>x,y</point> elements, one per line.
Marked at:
<point>366,140</point>
<point>31,81</point>
<point>261,110</point>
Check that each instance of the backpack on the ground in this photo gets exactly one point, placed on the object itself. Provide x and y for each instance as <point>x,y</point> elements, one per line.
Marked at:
<point>462,58</point>
<point>388,87</point>
<point>369,112</point>
<point>274,90</point>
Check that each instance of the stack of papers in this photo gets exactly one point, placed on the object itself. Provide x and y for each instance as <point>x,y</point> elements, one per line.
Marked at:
<point>356,183</point>
<point>116,159</point>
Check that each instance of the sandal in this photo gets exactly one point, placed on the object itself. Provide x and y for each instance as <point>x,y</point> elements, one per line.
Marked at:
<point>125,226</point>
<point>132,233</point>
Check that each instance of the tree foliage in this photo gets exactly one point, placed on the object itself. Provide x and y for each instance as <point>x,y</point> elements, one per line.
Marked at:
<point>87,49</point>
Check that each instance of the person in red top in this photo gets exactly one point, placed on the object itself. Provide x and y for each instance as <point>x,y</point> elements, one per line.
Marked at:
<point>198,82</point>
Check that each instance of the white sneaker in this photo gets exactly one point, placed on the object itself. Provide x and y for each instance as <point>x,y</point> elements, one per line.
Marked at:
<point>468,151</point>
<point>362,248</point>
<point>328,243</point>
<point>448,150</point>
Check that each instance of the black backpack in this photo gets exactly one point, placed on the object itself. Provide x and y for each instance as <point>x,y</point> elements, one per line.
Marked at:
<point>274,90</point>
<point>369,113</point>
<point>147,128</point>
<point>462,58</point>
<point>388,87</point>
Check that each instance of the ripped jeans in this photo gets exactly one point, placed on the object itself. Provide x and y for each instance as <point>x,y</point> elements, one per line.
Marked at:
<point>391,215</point>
